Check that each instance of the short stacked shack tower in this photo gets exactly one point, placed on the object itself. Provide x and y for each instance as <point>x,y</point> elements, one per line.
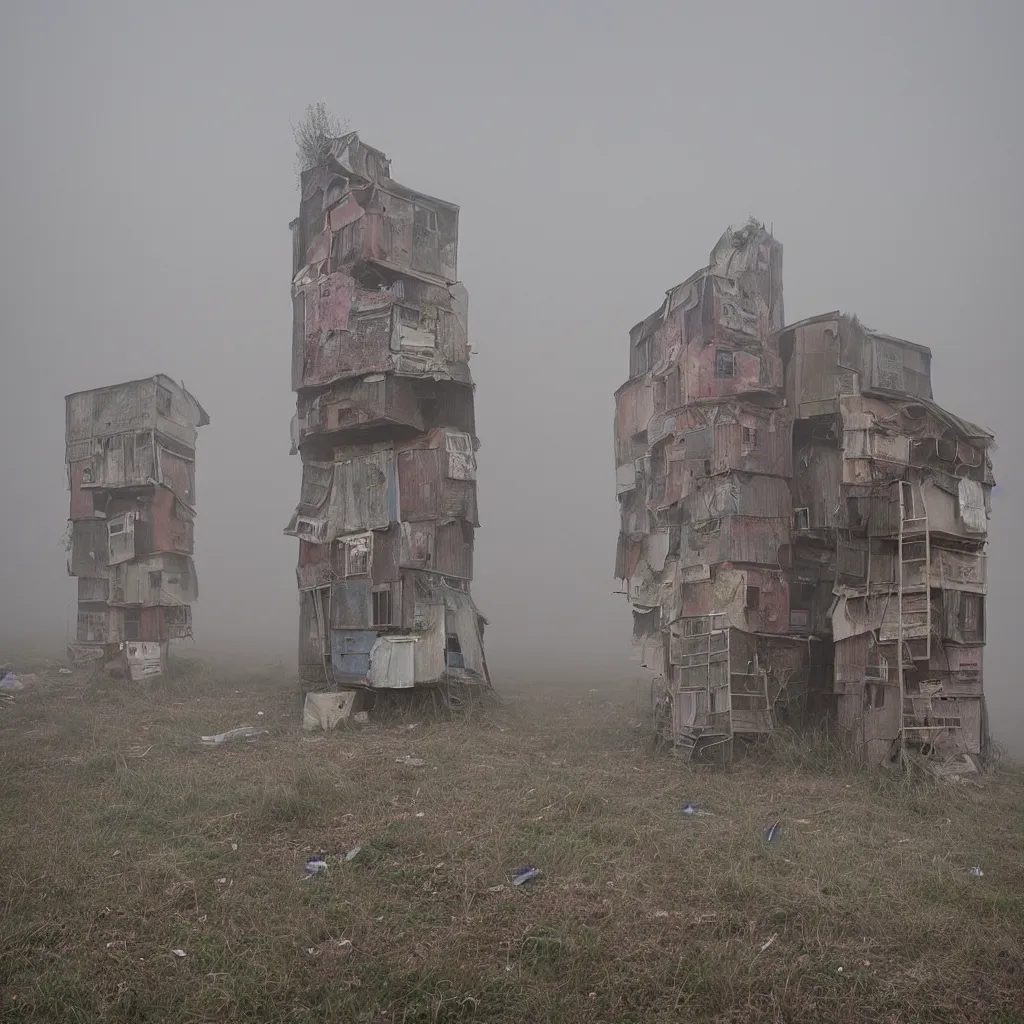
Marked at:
<point>131,471</point>
<point>385,429</point>
<point>893,497</point>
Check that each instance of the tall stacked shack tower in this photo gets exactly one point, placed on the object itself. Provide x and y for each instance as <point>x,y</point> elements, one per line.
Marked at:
<point>386,432</point>
<point>131,471</point>
<point>801,524</point>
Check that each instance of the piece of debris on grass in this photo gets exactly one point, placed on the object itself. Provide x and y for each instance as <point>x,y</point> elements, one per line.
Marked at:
<point>179,953</point>
<point>353,853</point>
<point>692,810</point>
<point>976,872</point>
<point>410,761</point>
<point>243,732</point>
<point>524,874</point>
<point>769,943</point>
<point>315,866</point>
<point>772,832</point>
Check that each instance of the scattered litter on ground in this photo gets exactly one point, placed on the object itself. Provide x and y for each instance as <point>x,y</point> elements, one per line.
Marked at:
<point>410,761</point>
<point>496,888</point>
<point>222,881</point>
<point>361,718</point>
<point>259,714</point>
<point>772,832</point>
<point>803,821</point>
<point>315,866</point>
<point>769,943</point>
<point>64,671</point>
<point>234,847</point>
<point>525,874</point>
<point>689,809</point>
<point>420,814</point>
<point>976,872</point>
<point>138,752</point>
<point>353,853</point>
<point>179,953</point>
<point>243,732</point>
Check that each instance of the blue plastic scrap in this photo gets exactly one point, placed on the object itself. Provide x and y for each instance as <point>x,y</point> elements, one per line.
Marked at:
<point>689,810</point>
<point>522,875</point>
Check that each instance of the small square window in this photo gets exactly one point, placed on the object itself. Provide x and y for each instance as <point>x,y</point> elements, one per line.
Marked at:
<point>750,438</point>
<point>753,597</point>
<point>801,519</point>
<point>725,363</point>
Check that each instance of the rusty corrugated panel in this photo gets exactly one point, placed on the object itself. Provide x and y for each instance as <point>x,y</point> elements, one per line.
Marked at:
<point>420,480</point>
<point>364,495</point>
<point>350,604</point>
<point>453,549</point>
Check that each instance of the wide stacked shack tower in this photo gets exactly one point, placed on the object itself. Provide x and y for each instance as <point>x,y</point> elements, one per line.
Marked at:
<point>131,471</point>
<point>385,428</point>
<point>801,523</point>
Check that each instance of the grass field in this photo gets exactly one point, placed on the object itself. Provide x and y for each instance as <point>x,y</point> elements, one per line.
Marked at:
<point>122,840</point>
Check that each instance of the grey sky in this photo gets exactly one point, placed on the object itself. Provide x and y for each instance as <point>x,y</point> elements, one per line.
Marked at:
<point>597,152</point>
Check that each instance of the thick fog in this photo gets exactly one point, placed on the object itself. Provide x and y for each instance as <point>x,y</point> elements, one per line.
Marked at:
<point>597,152</point>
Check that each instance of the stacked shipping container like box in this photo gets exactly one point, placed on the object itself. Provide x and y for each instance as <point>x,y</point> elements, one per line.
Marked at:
<point>130,454</point>
<point>386,431</point>
<point>795,510</point>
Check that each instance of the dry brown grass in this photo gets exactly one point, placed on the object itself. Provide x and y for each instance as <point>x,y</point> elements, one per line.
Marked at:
<point>862,911</point>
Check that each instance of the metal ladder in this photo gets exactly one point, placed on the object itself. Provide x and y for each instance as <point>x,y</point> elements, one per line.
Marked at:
<point>711,643</point>
<point>914,603</point>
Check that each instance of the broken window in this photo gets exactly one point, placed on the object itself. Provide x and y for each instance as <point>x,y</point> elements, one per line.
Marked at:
<point>874,696</point>
<point>801,519</point>
<point>132,623</point>
<point>163,401</point>
<point>335,190</point>
<point>356,555</point>
<point>424,220</point>
<point>409,316</point>
<point>453,652</point>
<point>642,356</point>
<point>753,597</point>
<point>725,363</point>
<point>382,607</point>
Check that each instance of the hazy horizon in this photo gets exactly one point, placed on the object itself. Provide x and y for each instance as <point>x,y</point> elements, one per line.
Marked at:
<point>597,154</point>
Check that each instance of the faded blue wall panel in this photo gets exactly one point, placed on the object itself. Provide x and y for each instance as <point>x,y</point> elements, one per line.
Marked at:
<point>350,653</point>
